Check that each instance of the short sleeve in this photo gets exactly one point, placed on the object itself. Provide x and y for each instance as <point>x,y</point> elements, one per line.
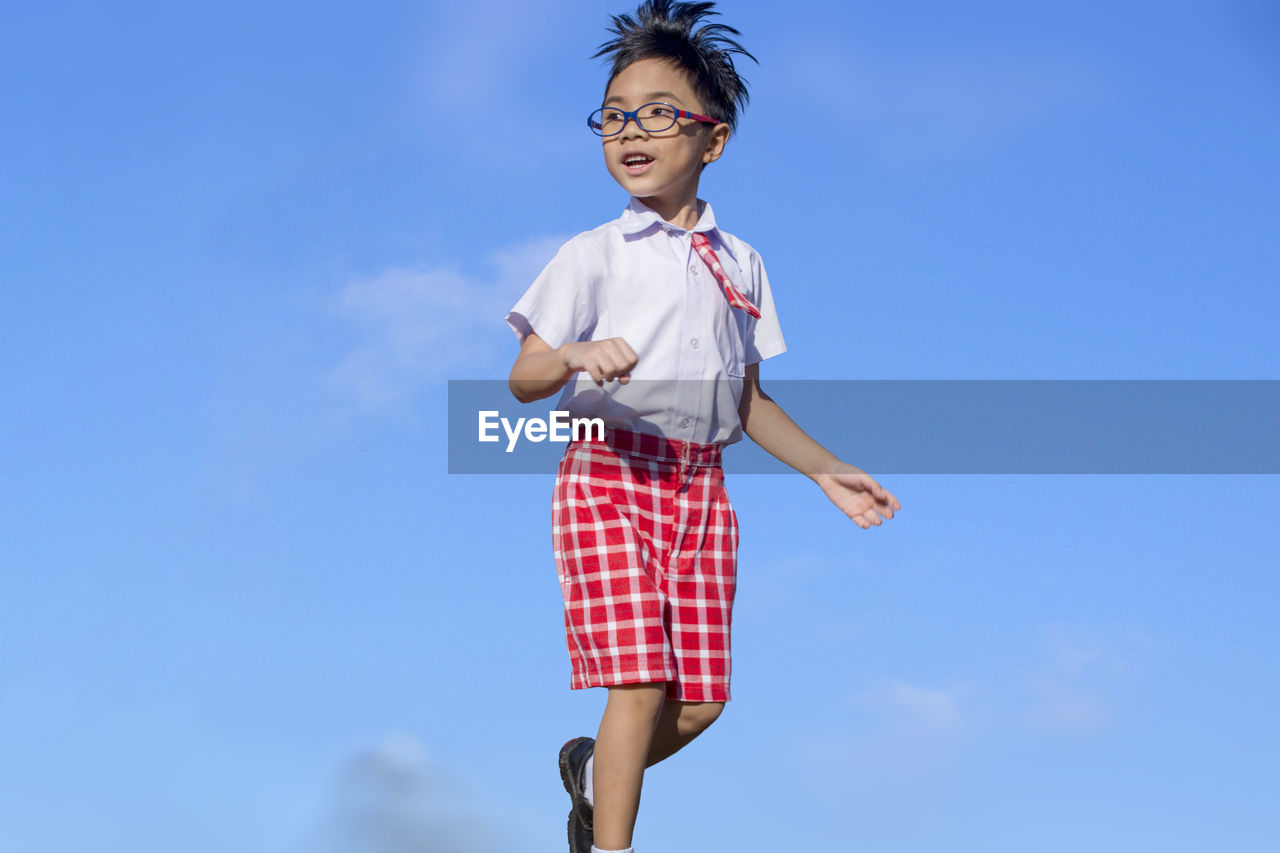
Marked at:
<point>764,335</point>
<point>559,306</point>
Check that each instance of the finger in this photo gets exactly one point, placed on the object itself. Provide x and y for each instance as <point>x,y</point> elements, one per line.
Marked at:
<point>614,365</point>
<point>869,514</point>
<point>622,363</point>
<point>862,482</point>
<point>614,348</point>
<point>884,498</point>
<point>627,352</point>
<point>857,516</point>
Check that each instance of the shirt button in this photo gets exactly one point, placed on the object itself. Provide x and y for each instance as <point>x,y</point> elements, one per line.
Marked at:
<point>684,423</point>
<point>693,342</point>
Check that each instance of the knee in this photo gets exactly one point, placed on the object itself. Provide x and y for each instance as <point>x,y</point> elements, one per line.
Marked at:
<point>703,714</point>
<point>638,701</point>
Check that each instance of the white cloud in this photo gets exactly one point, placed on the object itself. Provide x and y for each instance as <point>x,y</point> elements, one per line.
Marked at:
<point>936,104</point>
<point>1063,706</point>
<point>914,707</point>
<point>1074,681</point>
<point>474,51</point>
<point>898,729</point>
<point>391,798</point>
<point>1081,677</point>
<point>299,380</point>
<point>416,326</point>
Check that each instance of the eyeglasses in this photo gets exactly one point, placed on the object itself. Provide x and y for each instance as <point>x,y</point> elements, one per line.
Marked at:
<point>651,118</point>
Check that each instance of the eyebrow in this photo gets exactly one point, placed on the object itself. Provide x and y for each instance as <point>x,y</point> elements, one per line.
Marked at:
<point>672,95</point>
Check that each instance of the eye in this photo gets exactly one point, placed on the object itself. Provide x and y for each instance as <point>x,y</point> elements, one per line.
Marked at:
<point>661,111</point>
<point>611,115</point>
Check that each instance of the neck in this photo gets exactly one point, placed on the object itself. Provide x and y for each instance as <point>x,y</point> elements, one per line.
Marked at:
<point>682,214</point>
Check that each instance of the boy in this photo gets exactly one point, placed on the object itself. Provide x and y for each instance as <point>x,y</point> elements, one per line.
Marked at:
<point>656,322</point>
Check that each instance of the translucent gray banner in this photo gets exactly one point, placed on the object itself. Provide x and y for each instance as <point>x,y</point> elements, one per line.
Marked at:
<point>943,427</point>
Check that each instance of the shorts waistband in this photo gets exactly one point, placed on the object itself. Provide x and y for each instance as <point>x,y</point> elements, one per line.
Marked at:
<point>657,447</point>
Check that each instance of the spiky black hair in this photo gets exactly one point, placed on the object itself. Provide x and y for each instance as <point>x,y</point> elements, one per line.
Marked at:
<point>664,30</point>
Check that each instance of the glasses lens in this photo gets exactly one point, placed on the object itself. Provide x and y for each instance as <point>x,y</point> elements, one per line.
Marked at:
<point>606,121</point>
<point>652,118</point>
<point>655,118</point>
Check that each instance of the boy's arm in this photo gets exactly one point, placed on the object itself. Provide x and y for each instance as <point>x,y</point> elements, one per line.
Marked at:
<point>849,488</point>
<point>541,370</point>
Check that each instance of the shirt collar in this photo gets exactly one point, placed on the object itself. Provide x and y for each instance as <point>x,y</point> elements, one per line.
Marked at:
<point>638,217</point>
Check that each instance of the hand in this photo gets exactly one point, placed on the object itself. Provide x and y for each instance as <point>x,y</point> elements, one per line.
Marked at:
<point>858,495</point>
<point>604,360</point>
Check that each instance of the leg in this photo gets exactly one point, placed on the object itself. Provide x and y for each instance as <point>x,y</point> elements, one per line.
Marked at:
<point>681,722</point>
<point>626,732</point>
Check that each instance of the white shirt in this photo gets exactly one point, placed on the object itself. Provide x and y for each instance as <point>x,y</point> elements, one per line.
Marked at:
<point>639,279</point>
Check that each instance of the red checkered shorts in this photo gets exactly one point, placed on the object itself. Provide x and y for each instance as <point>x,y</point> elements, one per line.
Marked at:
<point>646,549</point>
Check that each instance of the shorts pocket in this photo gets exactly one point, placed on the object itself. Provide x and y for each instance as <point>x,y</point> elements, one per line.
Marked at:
<point>706,533</point>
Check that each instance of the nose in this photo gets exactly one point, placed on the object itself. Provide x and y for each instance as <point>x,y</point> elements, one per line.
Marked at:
<point>631,129</point>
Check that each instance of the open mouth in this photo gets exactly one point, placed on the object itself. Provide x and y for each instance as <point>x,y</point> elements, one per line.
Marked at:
<point>636,163</point>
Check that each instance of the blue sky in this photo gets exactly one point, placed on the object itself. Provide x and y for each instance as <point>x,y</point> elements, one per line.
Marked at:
<point>243,247</point>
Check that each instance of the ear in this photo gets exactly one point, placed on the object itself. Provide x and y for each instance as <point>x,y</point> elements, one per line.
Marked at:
<point>715,143</point>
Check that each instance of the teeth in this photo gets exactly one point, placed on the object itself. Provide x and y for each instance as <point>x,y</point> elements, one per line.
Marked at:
<point>636,159</point>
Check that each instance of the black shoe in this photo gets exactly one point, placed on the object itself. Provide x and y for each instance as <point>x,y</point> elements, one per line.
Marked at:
<point>573,771</point>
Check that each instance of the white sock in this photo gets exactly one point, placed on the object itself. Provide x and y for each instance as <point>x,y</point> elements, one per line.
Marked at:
<point>588,787</point>
<point>595,849</point>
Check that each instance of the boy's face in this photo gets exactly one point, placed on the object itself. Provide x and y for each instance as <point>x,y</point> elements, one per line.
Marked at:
<point>661,169</point>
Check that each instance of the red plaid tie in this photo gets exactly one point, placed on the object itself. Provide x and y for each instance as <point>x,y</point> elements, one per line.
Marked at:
<point>735,297</point>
